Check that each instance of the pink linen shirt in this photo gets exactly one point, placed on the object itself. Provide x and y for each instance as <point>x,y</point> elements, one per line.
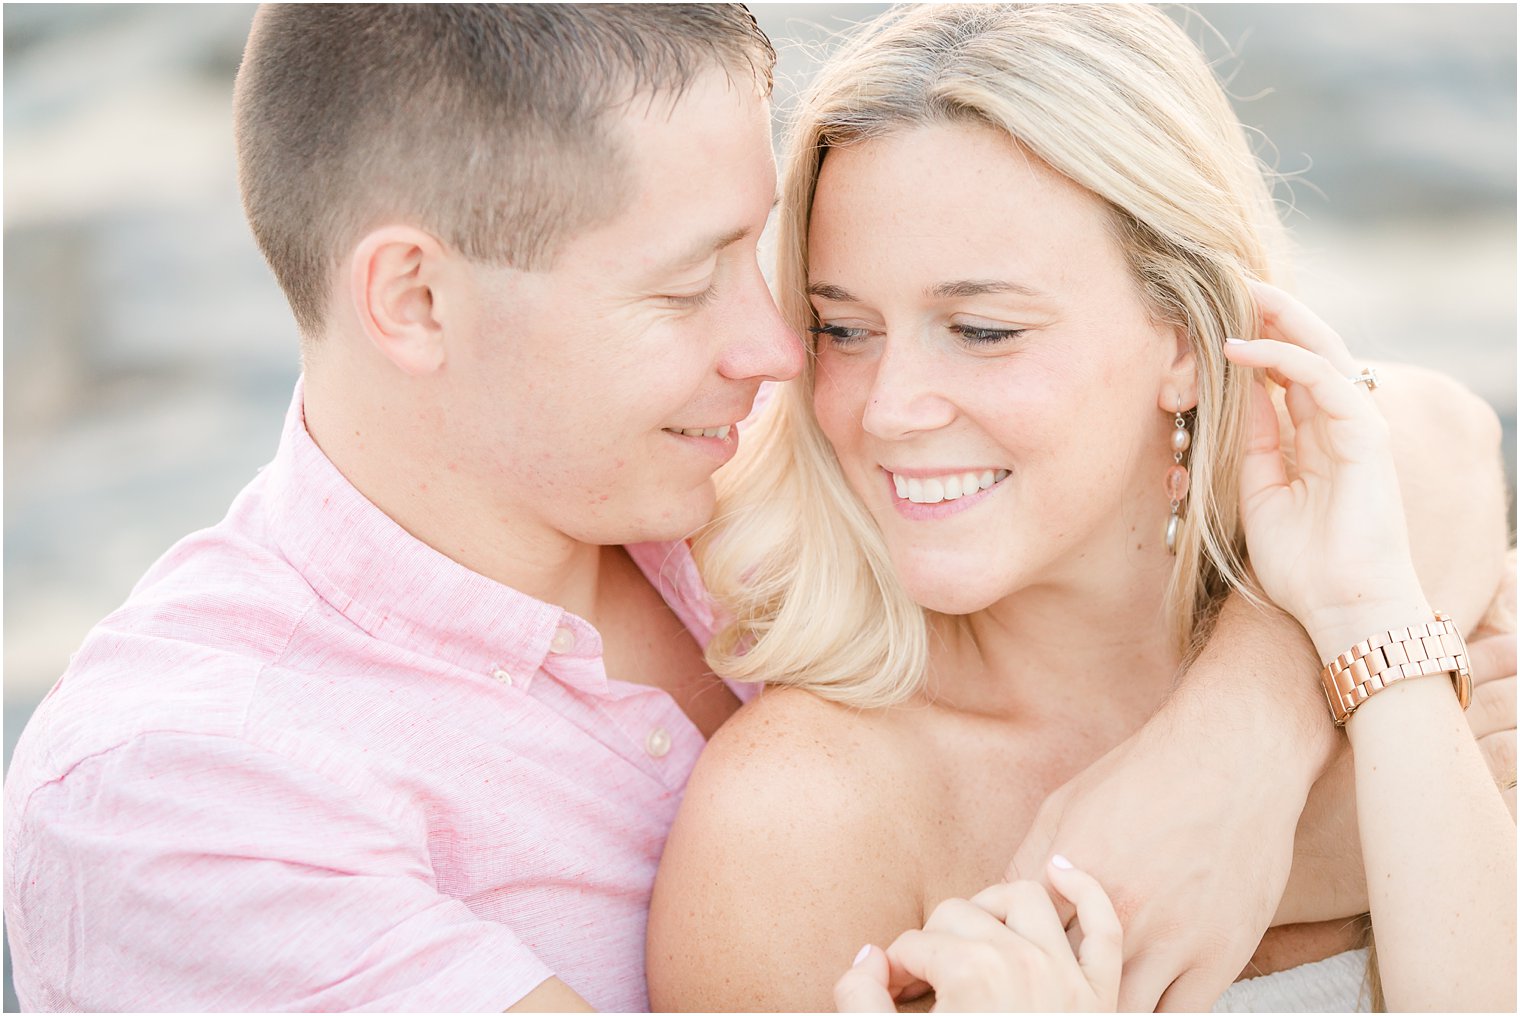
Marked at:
<point>313,764</point>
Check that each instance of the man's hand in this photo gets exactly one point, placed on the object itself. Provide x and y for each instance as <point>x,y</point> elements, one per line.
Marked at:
<point>1492,713</point>
<point>1189,823</point>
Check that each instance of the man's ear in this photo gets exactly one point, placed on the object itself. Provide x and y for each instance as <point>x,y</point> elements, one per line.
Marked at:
<point>1179,385</point>
<point>394,274</point>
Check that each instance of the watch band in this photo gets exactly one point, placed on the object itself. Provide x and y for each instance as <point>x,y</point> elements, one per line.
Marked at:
<point>1374,663</point>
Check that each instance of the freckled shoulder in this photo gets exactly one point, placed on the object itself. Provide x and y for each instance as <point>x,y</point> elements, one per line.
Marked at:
<point>792,850</point>
<point>787,731</point>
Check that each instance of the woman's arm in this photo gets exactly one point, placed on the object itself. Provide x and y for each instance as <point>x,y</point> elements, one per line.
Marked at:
<point>1439,847</point>
<point>791,851</point>
<point>1248,705</point>
<point>1445,443</point>
<point>1328,541</point>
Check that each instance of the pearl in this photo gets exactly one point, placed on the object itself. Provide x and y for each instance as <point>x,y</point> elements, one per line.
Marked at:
<point>1181,439</point>
<point>1176,483</point>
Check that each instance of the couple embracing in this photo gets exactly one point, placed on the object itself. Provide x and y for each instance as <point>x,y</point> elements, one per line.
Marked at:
<point>1042,545</point>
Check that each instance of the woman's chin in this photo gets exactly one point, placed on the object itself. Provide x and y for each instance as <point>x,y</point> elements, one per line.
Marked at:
<point>944,595</point>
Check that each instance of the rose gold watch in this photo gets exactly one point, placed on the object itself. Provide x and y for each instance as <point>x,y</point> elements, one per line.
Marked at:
<point>1374,663</point>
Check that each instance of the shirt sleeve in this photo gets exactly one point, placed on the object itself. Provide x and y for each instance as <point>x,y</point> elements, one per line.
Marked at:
<point>194,872</point>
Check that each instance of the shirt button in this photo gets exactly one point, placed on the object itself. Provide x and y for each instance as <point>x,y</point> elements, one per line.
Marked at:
<point>502,676</point>
<point>563,641</point>
<point>658,742</point>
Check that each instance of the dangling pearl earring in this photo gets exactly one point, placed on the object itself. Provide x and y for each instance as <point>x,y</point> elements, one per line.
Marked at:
<point>1177,479</point>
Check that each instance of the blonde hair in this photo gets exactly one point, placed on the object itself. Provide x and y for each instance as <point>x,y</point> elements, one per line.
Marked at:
<point>1119,100</point>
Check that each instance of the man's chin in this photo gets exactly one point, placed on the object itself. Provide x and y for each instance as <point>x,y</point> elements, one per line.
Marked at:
<point>663,521</point>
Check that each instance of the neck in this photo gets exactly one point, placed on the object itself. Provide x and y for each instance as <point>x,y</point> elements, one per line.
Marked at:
<point>1098,637</point>
<point>376,431</point>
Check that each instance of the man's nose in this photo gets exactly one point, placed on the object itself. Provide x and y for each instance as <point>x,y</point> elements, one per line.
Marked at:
<point>761,346</point>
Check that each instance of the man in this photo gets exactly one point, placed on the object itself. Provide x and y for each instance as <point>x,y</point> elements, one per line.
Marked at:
<point>408,728</point>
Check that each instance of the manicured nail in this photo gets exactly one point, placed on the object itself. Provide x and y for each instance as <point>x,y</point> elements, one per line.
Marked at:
<point>1060,862</point>
<point>1238,342</point>
<point>860,957</point>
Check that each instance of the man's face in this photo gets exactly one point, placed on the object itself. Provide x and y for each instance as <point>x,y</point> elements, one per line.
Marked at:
<point>572,387</point>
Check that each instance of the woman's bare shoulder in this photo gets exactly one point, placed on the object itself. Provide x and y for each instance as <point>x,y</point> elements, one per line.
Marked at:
<point>795,767</point>
<point>787,733</point>
<point>791,851</point>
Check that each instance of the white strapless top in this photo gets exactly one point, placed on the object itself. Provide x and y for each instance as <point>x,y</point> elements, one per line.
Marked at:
<point>1335,984</point>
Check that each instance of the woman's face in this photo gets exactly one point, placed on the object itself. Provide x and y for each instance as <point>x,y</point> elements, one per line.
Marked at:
<point>987,373</point>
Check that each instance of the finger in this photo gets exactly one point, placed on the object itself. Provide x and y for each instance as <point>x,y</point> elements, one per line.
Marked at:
<point>1333,393</point>
<point>1499,752</point>
<point>1491,658</point>
<point>1026,908</point>
<point>1029,869</point>
<point>945,962</point>
<point>1261,467</point>
<point>1285,318</point>
<point>1146,978</point>
<point>1492,709</point>
<point>863,988</point>
<point>964,919</point>
<point>1101,955</point>
<point>1194,991</point>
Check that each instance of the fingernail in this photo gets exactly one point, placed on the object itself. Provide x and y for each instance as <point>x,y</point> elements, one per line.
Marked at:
<point>860,957</point>
<point>1238,342</point>
<point>1060,862</point>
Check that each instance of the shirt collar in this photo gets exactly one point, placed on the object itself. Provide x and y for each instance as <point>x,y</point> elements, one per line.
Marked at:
<point>403,592</point>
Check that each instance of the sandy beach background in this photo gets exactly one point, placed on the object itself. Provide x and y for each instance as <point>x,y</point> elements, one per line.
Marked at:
<point>149,356</point>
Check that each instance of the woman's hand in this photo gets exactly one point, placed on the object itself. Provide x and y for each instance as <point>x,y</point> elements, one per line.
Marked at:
<point>1004,950</point>
<point>1327,540</point>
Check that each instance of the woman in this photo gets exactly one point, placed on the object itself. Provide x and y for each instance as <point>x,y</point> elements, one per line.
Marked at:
<point>981,537</point>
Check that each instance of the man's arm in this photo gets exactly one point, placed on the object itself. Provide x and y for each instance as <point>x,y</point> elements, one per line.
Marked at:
<point>191,872</point>
<point>1190,823</point>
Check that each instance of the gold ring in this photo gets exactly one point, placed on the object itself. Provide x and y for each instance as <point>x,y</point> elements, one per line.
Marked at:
<point>1367,377</point>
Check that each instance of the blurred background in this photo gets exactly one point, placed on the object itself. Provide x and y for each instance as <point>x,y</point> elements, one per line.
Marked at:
<point>149,356</point>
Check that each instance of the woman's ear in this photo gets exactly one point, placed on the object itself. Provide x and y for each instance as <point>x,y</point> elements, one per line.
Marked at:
<point>393,278</point>
<point>1179,384</point>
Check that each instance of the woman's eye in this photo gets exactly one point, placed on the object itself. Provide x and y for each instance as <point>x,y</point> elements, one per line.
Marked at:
<point>986,336</point>
<point>838,335</point>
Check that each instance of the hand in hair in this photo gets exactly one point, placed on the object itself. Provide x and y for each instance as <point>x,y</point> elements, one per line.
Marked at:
<point>1328,542</point>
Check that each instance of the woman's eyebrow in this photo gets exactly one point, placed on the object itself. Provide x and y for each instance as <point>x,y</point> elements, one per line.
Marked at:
<point>977,287</point>
<point>940,291</point>
<point>829,291</point>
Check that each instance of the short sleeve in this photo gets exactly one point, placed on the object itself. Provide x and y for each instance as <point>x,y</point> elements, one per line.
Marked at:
<point>194,872</point>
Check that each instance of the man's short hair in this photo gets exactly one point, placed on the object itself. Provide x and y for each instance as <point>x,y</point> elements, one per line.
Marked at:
<point>488,125</point>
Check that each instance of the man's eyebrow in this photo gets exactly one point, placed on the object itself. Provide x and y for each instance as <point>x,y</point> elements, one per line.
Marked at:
<point>702,251</point>
<point>976,287</point>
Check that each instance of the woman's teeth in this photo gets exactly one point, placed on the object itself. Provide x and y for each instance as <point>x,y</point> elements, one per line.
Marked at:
<point>935,489</point>
<point>718,432</point>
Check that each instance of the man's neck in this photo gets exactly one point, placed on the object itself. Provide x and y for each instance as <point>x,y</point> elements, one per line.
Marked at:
<point>426,495</point>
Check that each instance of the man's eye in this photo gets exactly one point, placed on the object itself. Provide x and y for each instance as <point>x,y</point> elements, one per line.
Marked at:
<point>838,335</point>
<point>695,299</point>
